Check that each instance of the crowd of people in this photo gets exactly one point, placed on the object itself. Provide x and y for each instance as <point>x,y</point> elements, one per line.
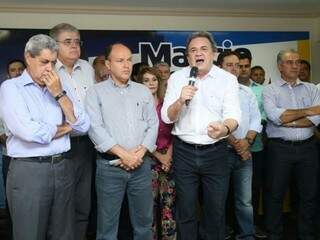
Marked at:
<point>120,147</point>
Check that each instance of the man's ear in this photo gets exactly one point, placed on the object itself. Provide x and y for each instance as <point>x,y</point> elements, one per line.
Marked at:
<point>107,63</point>
<point>27,57</point>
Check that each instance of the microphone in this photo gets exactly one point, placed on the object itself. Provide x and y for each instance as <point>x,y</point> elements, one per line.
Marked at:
<point>192,80</point>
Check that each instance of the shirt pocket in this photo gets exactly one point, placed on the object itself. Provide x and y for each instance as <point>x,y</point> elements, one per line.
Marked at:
<point>213,104</point>
<point>139,110</point>
<point>304,102</point>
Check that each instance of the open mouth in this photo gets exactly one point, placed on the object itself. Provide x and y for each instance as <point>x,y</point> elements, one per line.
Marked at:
<point>199,61</point>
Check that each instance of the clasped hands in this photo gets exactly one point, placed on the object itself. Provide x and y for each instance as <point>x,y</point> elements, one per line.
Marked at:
<point>132,159</point>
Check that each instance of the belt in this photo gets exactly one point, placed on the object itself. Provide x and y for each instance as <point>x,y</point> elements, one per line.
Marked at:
<point>108,156</point>
<point>295,143</point>
<point>43,159</point>
<point>200,146</point>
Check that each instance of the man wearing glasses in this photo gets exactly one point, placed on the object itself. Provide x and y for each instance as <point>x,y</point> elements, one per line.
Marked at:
<point>80,75</point>
<point>292,109</point>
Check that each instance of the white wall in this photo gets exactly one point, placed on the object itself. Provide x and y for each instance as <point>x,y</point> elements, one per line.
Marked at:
<point>145,22</point>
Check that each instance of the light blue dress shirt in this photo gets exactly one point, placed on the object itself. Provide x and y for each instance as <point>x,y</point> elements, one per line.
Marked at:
<point>123,115</point>
<point>280,96</point>
<point>31,116</point>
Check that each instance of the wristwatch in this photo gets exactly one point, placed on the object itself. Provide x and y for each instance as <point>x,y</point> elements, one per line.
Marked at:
<point>60,95</point>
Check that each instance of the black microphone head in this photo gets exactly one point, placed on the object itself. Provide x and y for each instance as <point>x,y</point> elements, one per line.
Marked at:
<point>194,72</point>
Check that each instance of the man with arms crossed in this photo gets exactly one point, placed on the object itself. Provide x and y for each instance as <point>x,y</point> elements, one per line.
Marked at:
<point>292,109</point>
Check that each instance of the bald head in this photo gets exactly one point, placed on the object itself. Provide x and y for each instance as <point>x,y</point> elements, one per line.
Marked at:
<point>119,62</point>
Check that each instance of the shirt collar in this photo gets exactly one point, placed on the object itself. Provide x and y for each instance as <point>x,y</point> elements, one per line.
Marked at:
<point>129,83</point>
<point>26,78</point>
<point>282,82</point>
<point>211,73</point>
<point>60,65</point>
<point>253,83</point>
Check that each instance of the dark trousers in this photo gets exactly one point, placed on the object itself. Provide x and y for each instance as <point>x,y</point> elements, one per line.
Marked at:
<point>83,154</point>
<point>302,161</point>
<point>5,168</point>
<point>208,167</point>
<point>40,197</point>
<point>258,172</point>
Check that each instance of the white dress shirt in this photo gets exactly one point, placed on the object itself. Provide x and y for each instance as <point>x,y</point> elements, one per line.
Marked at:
<point>81,78</point>
<point>216,99</point>
<point>251,118</point>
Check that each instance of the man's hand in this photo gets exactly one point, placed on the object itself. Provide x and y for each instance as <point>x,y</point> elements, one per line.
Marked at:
<point>133,158</point>
<point>165,160</point>
<point>3,139</point>
<point>241,145</point>
<point>62,130</point>
<point>52,82</point>
<point>129,161</point>
<point>187,93</point>
<point>140,151</point>
<point>217,130</point>
<point>246,155</point>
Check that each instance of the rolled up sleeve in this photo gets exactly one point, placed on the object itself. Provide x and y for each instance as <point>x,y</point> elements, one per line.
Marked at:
<point>269,103</point>
<point>172,94</point>
<point>231,103</point>
<point>19,120</point>
<point>255,116</point>
<point>153,124</point>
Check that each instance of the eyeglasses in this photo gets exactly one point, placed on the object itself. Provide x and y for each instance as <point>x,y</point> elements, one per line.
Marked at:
<point>68,42</point>
<point>292,62</point>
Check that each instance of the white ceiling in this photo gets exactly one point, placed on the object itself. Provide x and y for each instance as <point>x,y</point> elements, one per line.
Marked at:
<point>284,8</point>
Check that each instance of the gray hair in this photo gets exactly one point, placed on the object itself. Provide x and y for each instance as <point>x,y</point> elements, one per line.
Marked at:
<point>201,34</point>
<point>284,52</point>
<point>39,42</point>
<point>62,27</point>
<point>161,64</point>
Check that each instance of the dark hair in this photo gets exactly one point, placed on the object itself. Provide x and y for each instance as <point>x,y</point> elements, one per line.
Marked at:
<point>98,59</point>
<point>201,34</point>
<point>136,68</point>
<point>226,54</point>
<point>152,71</point>
<point>257,68</point>
<point>14,61</point>
<point>244,53</point>
<point>302,61</point>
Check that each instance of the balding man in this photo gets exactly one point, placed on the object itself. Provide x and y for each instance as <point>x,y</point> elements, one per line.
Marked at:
<point>124,127</point>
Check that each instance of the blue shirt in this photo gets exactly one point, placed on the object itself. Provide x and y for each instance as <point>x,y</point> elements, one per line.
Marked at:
<point>124,115</point>
<point>280,96</point>
<point>250,117</point>
<point>31,116</point>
